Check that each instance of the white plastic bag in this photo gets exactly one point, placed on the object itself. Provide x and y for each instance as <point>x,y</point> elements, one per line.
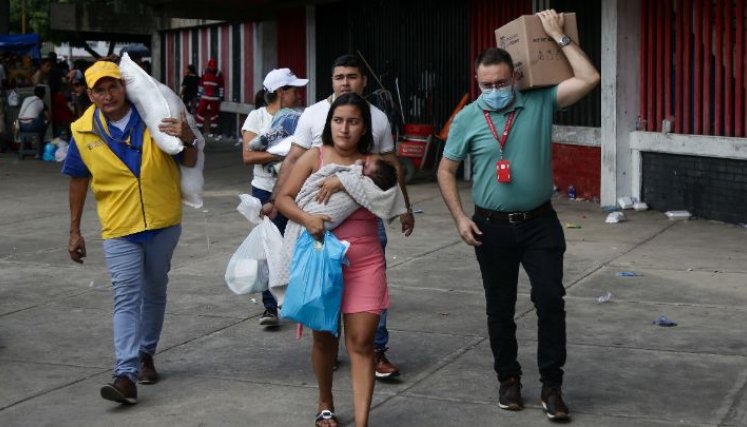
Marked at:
<point>13,100</point>
<point>248,270</point>
<point>155,102</point>
<point>61,152</point>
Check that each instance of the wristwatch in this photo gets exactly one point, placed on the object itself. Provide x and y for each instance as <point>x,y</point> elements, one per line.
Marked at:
<point>564,41</point>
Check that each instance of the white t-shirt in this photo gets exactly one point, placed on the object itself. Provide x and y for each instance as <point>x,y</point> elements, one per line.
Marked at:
<point>311,125</point>
<point>258,121</point>
<point>31,108</point>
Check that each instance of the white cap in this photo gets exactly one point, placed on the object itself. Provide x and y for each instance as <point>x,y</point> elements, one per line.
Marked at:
<point>280,77</point>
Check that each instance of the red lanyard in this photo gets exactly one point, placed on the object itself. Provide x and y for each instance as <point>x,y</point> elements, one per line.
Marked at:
<point>504,137</point>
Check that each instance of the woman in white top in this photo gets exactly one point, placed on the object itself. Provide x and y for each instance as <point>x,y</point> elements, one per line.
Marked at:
<point>282,90</point>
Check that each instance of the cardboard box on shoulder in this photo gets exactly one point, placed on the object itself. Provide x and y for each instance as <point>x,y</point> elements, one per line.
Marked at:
<point>538,60</point>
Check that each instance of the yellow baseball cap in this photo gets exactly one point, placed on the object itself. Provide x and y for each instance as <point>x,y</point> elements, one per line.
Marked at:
<point>101,69</point>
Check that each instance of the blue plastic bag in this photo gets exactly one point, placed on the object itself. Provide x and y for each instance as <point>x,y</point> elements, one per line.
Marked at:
<point>314,294</point>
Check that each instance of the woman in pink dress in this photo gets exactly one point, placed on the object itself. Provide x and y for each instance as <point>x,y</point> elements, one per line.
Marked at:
<point>346,139</point>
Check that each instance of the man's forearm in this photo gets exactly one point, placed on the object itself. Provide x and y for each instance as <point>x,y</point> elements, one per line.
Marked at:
<point>77,198</point>
<point>449,191</point>
<point>582,67</point>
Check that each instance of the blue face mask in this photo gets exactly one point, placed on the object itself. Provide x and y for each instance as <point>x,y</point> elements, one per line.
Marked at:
<point>498,98</point>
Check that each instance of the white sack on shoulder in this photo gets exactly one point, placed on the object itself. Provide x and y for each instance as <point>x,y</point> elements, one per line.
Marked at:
<point>155,102</point>
<point>144,92</point>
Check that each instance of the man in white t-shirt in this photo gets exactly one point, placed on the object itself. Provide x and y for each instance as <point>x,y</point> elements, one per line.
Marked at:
<point>282,90</point>
<point>34,116</point>
<point>349,75</point>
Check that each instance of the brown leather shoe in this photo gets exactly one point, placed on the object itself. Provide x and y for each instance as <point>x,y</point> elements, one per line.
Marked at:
<point>148,374</point>
<point>122,390</point>
<point>384,368</point>
<point>509,395</point>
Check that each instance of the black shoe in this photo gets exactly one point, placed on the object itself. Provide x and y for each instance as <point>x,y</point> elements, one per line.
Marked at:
<point>509,394</point>
<point>147,374</point>
<point>122,390</point>
<point>552,401</point>
<point>269,318</point>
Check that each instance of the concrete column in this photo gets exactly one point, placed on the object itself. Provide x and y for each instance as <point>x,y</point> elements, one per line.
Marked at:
<point>620,92</point>
<point>265,50</point>
<point>311,54</point>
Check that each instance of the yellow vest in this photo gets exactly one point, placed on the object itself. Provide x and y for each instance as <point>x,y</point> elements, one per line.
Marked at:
<point>126,204</point>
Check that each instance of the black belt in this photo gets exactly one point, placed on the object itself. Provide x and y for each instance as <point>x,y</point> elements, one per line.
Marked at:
<point>514,217</point>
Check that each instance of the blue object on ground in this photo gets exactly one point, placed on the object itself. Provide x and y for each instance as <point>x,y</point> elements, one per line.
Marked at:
<point>664,321</point>
<point>629,274</point>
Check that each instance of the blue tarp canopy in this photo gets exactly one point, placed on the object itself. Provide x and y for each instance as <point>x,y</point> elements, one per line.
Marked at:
<point>21,44</point>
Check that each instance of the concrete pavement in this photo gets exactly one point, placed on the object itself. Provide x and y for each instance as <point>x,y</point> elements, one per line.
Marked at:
<point>220,368</point>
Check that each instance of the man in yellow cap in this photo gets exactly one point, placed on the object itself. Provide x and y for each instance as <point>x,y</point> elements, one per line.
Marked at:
<point>138,198</point>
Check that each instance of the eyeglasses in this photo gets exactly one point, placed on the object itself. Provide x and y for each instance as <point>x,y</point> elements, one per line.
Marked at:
<point>500,84</point>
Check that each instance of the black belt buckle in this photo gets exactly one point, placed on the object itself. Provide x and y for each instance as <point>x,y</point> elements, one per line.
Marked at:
<point>517,217</point>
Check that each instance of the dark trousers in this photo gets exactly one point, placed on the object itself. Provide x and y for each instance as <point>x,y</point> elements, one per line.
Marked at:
<point>538,245</point>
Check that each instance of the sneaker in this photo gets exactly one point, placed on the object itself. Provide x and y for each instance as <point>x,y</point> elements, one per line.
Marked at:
<point>509,395</point>
<point>122,390</point>
<point>269,318</point>
<point>147,374</point>
<point>552,401</point>
<point>384,368</point>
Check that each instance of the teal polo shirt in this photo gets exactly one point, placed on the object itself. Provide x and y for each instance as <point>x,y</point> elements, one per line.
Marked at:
<point>528,149</point>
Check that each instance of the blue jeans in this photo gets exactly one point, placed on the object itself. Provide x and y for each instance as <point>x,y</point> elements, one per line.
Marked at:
<point>381,339</point>
<point>139,274</point>
<point>280,221</point>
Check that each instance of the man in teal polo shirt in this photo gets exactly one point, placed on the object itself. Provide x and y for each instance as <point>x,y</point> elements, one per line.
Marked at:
<point>508,134</point>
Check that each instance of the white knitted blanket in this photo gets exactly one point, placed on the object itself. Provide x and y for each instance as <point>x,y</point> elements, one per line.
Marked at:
<point>360,191</point>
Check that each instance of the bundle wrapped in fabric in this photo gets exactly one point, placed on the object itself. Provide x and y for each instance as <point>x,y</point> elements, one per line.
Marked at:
<point>155,101</point>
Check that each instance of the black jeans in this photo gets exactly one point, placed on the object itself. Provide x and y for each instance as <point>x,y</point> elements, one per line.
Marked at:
<point>538,245</point>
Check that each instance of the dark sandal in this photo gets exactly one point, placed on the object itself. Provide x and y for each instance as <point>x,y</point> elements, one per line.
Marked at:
<point>325,415</point>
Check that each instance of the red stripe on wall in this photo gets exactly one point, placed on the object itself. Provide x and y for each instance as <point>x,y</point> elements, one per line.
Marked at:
<point>667,58</point>
<point>686,81</point>
<point>698,63</point>
<point>659,88</point>
<point>678,89</point>
<point>719,73</point>
<point>739,110</point>
<point>728,70</point>
<point>706,82</point>
<point>650,118</point>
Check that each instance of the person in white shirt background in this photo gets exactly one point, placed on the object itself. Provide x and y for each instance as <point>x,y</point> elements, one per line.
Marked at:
<point>34,116</point>
<point>282,90</point>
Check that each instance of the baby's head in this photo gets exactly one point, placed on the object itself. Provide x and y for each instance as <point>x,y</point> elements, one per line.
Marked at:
<point>381,172</point>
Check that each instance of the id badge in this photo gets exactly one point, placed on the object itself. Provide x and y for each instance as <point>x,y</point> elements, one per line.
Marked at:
<point>503,170</point>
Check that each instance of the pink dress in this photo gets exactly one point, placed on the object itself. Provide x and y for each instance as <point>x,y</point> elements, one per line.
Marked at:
<point>364,280</point>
